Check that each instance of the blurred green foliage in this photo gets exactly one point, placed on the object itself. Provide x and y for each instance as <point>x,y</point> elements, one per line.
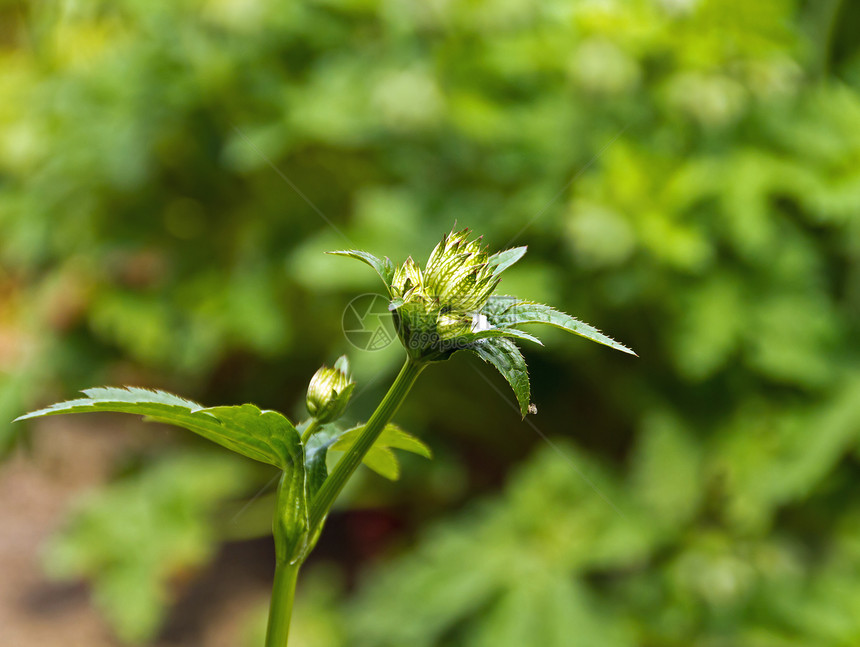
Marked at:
<point>140,536</point>
<point>686,174</point>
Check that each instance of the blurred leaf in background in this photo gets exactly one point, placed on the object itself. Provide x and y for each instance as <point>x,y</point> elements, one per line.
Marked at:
<point>143,535</point>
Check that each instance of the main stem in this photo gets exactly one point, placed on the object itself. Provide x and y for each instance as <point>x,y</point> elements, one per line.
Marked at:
<point>352,459</point>
<point>284,588</point>
<point>281,605</point>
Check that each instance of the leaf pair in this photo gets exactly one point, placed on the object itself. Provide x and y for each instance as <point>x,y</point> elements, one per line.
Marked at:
<point>504,315</point>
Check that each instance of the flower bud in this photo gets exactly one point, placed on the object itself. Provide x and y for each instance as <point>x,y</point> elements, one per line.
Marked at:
<point>457,273</point>
<point>435,306</point>
<point>329,391</point>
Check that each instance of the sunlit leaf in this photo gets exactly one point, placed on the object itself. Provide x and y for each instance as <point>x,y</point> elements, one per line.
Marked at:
<point>265,436</point>
<point>380,458</point>
<point>510,312</point>
<point>501,261</point>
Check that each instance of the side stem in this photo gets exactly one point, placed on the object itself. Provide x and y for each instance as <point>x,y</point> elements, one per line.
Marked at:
<point>281,605</point>
<point>309,430</point>
<point>352,459</point>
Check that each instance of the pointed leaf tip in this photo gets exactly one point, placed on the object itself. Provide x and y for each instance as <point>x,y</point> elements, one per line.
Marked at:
<point>504,354</point>
<point>383,267</point>
<point>265,436</point>
<point>508,312</point>
<point>501,261</point>
<point>380,458</point>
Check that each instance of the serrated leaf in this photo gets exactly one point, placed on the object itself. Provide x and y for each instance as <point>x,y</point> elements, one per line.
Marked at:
<point>246,423</point>
<point>506,357</point>
<point>500,332</point>
<point>508,312</point>
<point>500,261</point>
<point>384,267</point>
<point>380,458</point>
<point>265,436</point>
<point>497,305</point>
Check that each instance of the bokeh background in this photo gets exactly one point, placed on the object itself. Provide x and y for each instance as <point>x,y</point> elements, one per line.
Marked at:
<point>686,174</point>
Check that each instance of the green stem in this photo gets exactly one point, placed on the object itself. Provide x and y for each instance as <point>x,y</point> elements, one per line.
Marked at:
<point>284,588</point>
<point>352,459</point>
<point>281,605</point>
<point>309,430</point>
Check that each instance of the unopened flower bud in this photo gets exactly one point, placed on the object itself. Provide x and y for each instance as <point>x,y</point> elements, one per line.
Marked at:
<point>436,306</point>
<point>329,391</point>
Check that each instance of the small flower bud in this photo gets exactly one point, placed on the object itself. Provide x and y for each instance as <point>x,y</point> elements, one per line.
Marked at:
<point>329,391</point>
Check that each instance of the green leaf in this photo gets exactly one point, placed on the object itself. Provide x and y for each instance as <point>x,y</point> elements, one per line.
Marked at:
<point>497,305</point>
<point>292,541</point>
<point>384,267</point>
<point>500,261</point>
<point>509,312</point>
<point>316,452</point>
<point>666,470</point>
<point>380,458</point>
<point>395,438</point>
<point>506,357</point>
<point>134,537</point>
<point>383,461</point>
<point>265,436</point>
<point>500,332</point>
